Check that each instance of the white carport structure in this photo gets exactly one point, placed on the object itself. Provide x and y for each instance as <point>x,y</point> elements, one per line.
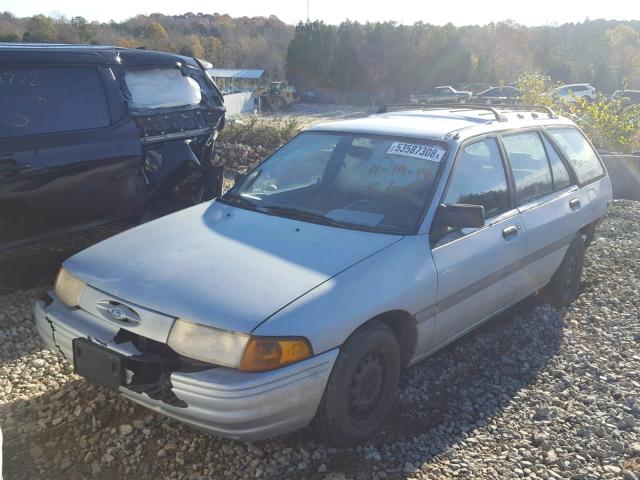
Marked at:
<point>237,86</point>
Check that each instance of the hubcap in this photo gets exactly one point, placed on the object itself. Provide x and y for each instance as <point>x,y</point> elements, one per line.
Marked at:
<point>366,386</point>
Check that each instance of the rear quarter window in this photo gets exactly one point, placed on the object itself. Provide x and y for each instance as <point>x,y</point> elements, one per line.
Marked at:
<point>38,100</point>
<point>581,156</point>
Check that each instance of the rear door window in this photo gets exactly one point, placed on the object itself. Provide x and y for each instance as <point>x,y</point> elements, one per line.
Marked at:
<point>479,179</point>
<point>37,100</point>
<point>529,165</point>
<point>579,153</point>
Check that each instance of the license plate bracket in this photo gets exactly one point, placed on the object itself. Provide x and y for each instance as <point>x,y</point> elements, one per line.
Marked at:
<point>98,364</point>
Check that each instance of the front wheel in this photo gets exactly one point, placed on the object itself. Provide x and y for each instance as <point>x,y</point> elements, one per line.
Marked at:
<point>362,387</point>
<point>564,284</point>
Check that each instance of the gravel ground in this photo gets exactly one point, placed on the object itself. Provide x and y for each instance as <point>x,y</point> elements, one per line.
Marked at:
<point>535,393</point>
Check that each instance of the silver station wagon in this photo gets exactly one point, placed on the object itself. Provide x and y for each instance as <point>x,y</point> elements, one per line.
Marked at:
<point>357,249</point>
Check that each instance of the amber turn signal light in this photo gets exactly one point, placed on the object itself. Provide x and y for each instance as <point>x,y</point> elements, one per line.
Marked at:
<point>268,353</point>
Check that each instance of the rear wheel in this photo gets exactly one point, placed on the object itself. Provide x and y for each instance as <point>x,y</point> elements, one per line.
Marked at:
<point>362,387</point>
<point>564,284</point>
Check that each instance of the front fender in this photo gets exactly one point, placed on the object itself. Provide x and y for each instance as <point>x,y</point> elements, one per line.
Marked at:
<point>401,277</point>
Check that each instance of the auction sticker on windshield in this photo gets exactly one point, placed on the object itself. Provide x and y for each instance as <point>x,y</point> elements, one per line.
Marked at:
<point>426,152</point>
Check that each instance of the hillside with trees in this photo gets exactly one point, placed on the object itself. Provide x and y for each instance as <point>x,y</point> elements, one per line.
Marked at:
<point>388,62</point>
<point>256,42</point>
<point>369,62</point>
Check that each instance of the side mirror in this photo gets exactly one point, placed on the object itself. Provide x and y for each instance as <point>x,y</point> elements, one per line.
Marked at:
<point>458,215</point>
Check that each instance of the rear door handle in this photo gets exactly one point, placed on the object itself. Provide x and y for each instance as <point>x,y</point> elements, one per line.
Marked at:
<point>509,231</point>
<point>574,203</point>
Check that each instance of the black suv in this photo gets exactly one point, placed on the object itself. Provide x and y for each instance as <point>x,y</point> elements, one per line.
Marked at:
<point>91,134</point>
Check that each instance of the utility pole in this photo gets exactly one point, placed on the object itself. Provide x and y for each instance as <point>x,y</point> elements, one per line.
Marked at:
<point>307,11</point>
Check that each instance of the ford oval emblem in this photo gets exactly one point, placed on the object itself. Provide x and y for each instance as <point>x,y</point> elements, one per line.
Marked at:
<point>117,311</point>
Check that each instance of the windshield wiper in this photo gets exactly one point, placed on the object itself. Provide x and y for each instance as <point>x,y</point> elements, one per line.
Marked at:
<point>239,201</point>
<point>293,213</point>
<point>298,214</point>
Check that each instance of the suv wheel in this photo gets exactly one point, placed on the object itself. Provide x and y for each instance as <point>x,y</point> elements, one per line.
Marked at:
<point>564,284</point>
<point>362,387</point>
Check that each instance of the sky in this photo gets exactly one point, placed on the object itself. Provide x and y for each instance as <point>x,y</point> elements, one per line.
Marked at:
<point>458,12</point>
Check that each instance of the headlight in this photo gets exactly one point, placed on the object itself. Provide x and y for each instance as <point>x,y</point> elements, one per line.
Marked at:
<point>236,350</point>
<point>207,344</point>
<point>68,288</point>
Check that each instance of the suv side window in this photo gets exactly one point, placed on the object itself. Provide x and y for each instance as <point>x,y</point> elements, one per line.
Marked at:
<point>38,99</point>
<point>529,164</point>
<point>578,152</point>
<point>478,178</point>
<point>561,177</point>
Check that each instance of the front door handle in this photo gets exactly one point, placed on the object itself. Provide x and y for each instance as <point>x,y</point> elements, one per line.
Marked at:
<point>574,203</point>
<point>509,232</point>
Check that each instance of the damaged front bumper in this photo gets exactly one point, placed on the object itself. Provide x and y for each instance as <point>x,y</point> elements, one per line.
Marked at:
<point>241,405</point>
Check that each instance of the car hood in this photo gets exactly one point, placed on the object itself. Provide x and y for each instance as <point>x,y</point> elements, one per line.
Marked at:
<point>221,265</point>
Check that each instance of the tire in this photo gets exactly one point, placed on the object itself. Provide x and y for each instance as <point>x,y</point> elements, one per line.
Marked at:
<point>564,284</point>
<point>362,387</point>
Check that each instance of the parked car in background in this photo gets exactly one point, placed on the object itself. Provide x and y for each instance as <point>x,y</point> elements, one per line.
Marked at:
<point>627,97</point>
<point>499,95</point>
<point>90,134</point>
<point>444,94</point>
<point>570,93</point>
<point>355,250</point>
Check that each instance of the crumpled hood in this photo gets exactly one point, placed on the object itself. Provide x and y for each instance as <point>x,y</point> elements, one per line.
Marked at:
<point>221,265</point>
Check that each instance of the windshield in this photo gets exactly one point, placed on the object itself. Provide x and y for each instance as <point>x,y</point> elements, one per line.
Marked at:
<point>355,181</point>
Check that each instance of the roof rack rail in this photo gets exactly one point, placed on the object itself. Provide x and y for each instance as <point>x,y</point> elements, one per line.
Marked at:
<point>523,106</point>
<point>439,106</point>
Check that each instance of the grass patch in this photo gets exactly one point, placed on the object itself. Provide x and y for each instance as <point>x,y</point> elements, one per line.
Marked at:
<point>270,134</point>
